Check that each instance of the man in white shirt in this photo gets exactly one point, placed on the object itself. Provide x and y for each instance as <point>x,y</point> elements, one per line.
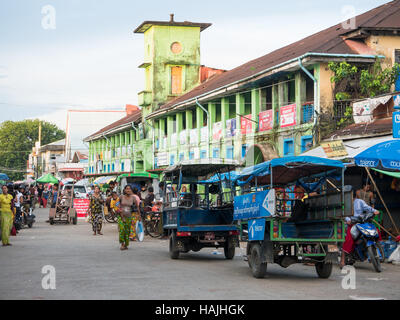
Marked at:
<point>18,204</point>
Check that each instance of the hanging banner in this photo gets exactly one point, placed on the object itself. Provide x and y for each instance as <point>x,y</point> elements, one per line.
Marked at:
<point>230,128</point>
<point>217,131</point>
<point>396,125</point>
<point>183,137</point>
<point>194,139</point>
<point>288,116</point>
<point>265,120</point>
<point>363,110</point>
<point>204,134</point>
<point>246,124</point>
<point>174,138</point>
<point>162,159</point>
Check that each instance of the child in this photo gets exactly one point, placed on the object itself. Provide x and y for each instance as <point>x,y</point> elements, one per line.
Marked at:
<point>115,204</point>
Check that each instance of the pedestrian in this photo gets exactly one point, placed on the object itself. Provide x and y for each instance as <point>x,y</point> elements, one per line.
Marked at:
<point>45,196</point>
<point>18,203</point>
<point>135,211</point>
<point>40,191</point>
<point>96,210</point>
<point>148,201</point>
<point>54,194</point>
<point>6,212</point>
<point>127,217</point>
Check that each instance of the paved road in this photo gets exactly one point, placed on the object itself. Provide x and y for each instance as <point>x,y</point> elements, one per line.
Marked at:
<point>93,267</point>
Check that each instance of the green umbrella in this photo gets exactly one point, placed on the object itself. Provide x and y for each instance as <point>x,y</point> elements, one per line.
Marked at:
<point>47,178</point>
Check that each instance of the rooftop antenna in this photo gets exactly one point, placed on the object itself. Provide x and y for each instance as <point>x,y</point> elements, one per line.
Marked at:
<point>171,19</point>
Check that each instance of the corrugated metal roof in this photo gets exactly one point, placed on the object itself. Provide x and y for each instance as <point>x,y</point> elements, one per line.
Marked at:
<point>326,41</point>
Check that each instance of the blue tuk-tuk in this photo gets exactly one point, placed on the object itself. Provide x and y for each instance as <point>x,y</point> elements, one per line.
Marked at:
<point>197,209</point>
<point>292,210</point>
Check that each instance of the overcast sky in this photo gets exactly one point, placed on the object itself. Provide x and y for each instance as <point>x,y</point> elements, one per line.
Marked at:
<point>90,59</point>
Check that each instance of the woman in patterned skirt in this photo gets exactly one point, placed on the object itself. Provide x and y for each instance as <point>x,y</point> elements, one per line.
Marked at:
<point>96,210</point>
<point>127,216</point>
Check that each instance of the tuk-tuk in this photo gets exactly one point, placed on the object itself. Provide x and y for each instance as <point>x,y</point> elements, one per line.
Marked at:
<point>139,180</point>
<point>293,211</point>
<point>197,212</point>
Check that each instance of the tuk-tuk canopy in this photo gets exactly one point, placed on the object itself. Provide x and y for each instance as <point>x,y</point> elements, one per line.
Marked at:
<point>138,175</point>
<point>227,176</point>
<point>202,167</point>
<point>288,169</point>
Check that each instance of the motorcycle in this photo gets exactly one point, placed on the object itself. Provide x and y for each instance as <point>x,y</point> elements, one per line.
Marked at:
<point>365,236</point>
<point>27,217</point>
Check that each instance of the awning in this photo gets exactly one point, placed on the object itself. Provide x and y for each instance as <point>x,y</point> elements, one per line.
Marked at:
<point>391,174</point>
<point>353,147</point>
<point>104,180</point>
<point>70,169</point>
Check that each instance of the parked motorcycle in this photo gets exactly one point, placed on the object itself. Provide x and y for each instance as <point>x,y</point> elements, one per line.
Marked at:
<point>27,217</point>
<point>365,236</point>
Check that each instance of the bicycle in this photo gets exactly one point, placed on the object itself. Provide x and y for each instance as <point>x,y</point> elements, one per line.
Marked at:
<point>152,222</point>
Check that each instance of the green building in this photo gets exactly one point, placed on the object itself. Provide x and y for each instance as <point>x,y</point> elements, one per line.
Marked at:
<point>268,107</point>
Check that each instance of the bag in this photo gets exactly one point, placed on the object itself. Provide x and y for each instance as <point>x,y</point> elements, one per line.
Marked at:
<point>139,231</point>
<point>13,231</point>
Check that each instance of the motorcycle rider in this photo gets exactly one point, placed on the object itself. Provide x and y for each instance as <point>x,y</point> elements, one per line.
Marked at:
<point>360,208</point>
<point>19,200</point>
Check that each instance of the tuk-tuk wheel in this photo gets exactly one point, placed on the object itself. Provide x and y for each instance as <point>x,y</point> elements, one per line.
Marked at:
<point>229,249</point>
<point>173,252</point>
<point>51,221</point>
<point>324,270</point>
<point>258,268</point>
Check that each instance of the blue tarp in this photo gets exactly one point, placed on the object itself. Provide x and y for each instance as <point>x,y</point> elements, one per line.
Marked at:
<point>311,166</point>
<point>384,155</point>
<point>227,176</point>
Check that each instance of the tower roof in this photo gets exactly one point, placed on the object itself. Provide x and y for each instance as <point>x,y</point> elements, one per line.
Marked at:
<point>148,24</point>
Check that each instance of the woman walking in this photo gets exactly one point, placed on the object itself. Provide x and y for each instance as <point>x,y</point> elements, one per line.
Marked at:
<point>96,210</point>
<point>6,212</point>
<point>136,215</point>
<point>126,216</point>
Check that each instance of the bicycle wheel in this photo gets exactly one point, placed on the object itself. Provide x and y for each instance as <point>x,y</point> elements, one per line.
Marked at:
<point>152,228</point>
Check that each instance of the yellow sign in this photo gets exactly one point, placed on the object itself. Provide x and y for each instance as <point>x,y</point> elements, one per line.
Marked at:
<point>334,149</point>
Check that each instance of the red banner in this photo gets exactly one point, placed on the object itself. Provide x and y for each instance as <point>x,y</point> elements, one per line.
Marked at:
<point>81,206</point>
<point>288,116</point>
<point>265,120</point>
<point>246,124</point>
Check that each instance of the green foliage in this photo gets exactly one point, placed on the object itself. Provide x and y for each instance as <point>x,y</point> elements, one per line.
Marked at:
<point>347,118</point>
<point>378,81</point>
<point>342,70</point>
<point>17,140</point>
<point>343,96</point>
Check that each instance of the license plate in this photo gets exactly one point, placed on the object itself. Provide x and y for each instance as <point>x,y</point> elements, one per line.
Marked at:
<point>209,236</point>
<point>333,248</point>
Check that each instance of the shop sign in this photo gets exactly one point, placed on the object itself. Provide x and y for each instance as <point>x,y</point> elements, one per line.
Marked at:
<point>265,120</point>
<point>288,116</point>
<point>334,149</point>
<point>162,159</point>
<point>174,138</point>
<point>81,206</point>
<point>194,139</point>
<point>246,124</point>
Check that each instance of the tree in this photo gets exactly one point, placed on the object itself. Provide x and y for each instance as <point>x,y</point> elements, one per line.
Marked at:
<point>17,138</point>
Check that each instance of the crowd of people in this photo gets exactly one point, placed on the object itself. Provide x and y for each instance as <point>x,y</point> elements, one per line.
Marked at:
<point>129,207</point>
<point>16,202</point>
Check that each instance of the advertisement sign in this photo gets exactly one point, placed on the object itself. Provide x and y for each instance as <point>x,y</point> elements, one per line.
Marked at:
<point>162,159</point>
<point>255,205</point>
<point>230,128</point>
<point>396,124</point>
<point>246,124</point>
<point>194,139</point>
<point>287,116</point>
<point>174,138</point>
<point>334,149</point>
<point>265,120</point>
<point>204,134</point>
<point>183,137</point>
<point>217,131</point>
<point>256,229</point>
<point>81,206</point>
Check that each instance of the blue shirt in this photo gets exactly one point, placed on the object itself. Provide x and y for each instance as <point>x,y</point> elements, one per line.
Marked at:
<point>360,207</point>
